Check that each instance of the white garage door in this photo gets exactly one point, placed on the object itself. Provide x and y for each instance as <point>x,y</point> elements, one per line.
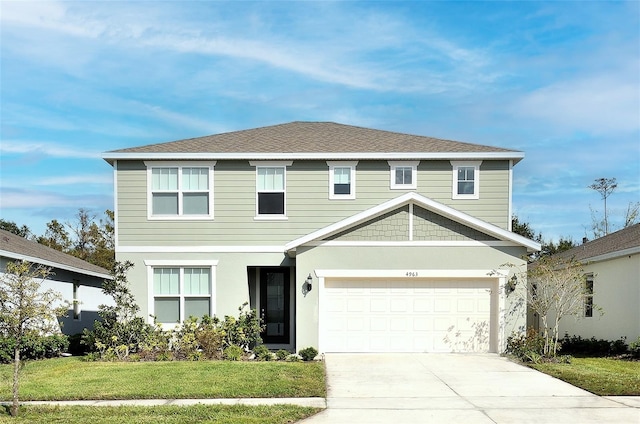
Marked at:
<point>406,316</point>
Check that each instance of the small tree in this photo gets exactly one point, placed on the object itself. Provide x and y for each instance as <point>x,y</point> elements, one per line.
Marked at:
<point>25,307</point>
<point>556,286</point>
<point>121,329</point>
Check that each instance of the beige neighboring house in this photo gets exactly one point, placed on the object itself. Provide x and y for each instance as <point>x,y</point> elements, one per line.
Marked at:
<point>78,281</point>
<point>612,270</point>
<point>344,238</point>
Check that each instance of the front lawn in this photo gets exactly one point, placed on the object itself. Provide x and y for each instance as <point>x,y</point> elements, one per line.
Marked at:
<point>601,376</point>
<point>219,414</point>
<point>73,379</point>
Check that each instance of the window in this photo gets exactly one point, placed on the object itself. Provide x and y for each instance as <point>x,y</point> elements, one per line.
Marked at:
<point>342,180</point>
<point>271,189</point>
<point>588,296</point>
<point>179,293</point>
<point>403,175</point>
<point>76,300</point>
<point>180,191</point>
<point>466,180</point>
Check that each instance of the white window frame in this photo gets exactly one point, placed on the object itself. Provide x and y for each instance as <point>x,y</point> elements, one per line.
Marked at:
<point>352,179</point>
<point>272,164</point>
<point>181,264</point>
<point>393,165</point>
<point>456,165</point>
<point>210,165</point>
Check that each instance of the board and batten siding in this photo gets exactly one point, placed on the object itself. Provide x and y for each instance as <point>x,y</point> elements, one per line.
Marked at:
<point>308,205</point>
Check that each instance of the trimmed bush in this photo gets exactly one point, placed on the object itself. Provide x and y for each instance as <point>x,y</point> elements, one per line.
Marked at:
<point>262,353</point>
<point>34,346</point>
<point>308,354</point>
<point>282,354</point>
<point>233,353</point>
<point>593,347</point>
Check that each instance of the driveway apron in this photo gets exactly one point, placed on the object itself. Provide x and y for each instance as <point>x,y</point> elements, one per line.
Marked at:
<point>456,388</point>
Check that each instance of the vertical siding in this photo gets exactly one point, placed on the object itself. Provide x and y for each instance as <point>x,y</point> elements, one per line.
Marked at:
<point>308,205</point>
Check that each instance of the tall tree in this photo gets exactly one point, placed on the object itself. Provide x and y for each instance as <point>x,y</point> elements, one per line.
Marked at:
<point>604,186</point>
<point>25,307</point>
<point>56,237</point>
<point>12,227</point>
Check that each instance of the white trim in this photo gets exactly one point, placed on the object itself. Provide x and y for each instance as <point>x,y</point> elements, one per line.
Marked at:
<point>401,273</point>
<point>116,238</point>
<point>509,220</point>
<point>352,179</point>
<point>612,255</point>
<point>268,163</point>
<point>423,202</point>
<point>476,179</point>
<point>411,222</point>
<point>200,249</point>
<point>435,243</point>
<point>515,155</point>
<point>403,164</point>
<point>210,165</point>
<point>51,264</point>
<point>180,263</point>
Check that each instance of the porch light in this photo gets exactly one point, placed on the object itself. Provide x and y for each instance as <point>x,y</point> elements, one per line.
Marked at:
<point>511,285</point>
<point>307,286</point>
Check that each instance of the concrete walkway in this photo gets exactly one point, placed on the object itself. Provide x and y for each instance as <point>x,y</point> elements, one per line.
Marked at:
<point>457,388</point>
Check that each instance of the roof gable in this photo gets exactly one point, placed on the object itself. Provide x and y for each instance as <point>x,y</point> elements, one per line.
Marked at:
<point>19,248</point>
<point>423,202</point>
<point>312,140</point>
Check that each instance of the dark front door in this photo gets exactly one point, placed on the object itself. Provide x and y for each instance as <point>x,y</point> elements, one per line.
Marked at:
<point>274,304</point>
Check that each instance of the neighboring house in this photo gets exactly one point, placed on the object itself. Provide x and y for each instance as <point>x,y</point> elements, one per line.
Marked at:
<point>612,277</point>
<point>344,238</point>
<point>79,282</point>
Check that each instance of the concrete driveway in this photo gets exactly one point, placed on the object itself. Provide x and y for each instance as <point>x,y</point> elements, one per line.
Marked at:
<point>457,388</point>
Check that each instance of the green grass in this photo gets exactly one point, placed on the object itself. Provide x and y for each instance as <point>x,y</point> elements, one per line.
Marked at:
<point>73,379</point>
<point>601,376</point>
<point>231,414</point>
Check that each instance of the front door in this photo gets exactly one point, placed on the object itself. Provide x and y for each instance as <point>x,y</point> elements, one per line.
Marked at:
<point>274,304</point>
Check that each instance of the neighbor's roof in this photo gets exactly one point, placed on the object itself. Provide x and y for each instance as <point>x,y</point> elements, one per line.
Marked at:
<point>16,247</point>
<point>621,243</point>
<point>313,140</point>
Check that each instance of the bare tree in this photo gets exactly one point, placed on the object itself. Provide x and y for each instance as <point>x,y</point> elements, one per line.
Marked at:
<point>556,289</point>
<point>604,186</point>
<point>25,307</point>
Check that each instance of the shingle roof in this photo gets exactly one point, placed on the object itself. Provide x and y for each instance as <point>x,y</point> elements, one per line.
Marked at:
<point>625,241</point>
<point>17,247</point>
<point>313,138</point>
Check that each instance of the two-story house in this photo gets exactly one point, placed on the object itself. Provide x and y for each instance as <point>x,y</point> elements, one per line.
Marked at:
<point>344,238</point>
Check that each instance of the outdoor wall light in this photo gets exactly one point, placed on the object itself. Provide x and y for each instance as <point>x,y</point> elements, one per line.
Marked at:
<point>511,285</point>
<point>308,284</point>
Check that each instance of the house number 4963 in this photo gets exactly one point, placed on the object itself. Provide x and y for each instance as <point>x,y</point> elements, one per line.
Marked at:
<point>411,274</point>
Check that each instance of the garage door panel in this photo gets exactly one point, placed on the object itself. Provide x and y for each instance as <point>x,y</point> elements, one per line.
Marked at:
<point>406,316</point>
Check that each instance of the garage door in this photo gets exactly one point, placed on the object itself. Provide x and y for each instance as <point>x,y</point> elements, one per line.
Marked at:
<point>406,316</point>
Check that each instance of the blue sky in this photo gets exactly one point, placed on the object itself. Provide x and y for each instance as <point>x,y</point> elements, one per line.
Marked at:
<point>558,80</point>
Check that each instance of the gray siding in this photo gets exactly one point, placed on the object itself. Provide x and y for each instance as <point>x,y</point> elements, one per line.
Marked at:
<point>307,202</point>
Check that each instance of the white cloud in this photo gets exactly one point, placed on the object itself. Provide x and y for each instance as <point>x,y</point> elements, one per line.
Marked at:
<point>46,149</point>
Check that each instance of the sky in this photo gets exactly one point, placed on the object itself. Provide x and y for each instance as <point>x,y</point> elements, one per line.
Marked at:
<point>557,80</point>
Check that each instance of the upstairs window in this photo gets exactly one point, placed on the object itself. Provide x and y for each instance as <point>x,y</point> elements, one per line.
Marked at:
<point>403,175</point>
<point>342,180</point>
<point>588,296</point>
<point>466,180</point>
<point>271,189</point>
<point>180,191</point>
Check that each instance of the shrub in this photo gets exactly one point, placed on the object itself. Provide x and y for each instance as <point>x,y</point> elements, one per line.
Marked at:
<point>634,348</point>
<point>262,353</point>
<point>528,347</point>
<point>233,353</point>
<point>282,354</point>
<point>243,331</point>
<point>576,345</point>
<point>34,346</point>
<point>293,358</point>
<point>308,354</point>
